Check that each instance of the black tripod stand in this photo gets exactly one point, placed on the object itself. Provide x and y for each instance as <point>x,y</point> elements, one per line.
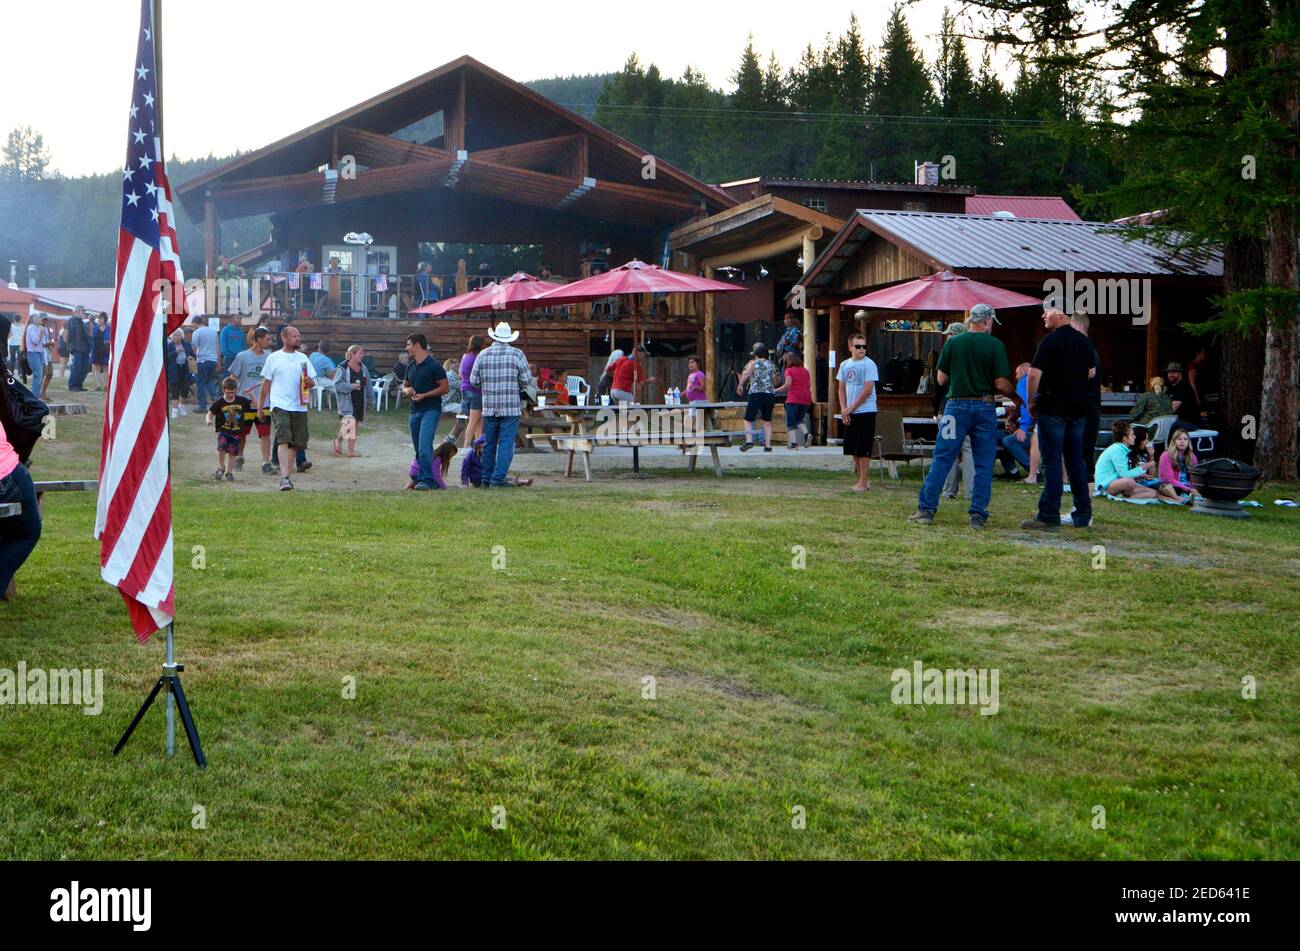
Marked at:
<point>170,680</point>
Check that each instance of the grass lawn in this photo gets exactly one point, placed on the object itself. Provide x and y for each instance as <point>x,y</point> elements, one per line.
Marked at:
<point>522,687</point>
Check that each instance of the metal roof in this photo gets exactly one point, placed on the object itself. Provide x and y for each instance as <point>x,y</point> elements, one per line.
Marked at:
<point>1022,206</point>
<point>988,243</point>
<point>1036,244</point>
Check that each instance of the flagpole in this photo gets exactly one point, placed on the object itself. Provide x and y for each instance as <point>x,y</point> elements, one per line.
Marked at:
<point>158,82</point>
<point>170,679</point>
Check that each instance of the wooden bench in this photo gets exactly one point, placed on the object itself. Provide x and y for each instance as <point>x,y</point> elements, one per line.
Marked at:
<point>10,509</point>
<point>584,443</point>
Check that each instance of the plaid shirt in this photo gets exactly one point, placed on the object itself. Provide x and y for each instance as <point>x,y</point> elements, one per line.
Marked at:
<point>789,342</point>
<point>500,372</point>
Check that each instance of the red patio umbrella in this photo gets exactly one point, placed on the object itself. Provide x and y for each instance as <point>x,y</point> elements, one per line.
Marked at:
<point>442,307</point>
<point>944,291</point>
<point>634,278</point>
<point>514,291</point>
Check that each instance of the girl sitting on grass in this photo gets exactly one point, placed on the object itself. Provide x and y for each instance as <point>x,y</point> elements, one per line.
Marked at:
<point>441,462</point>
<point>1175,465</point>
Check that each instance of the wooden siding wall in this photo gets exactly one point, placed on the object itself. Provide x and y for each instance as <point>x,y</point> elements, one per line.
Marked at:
<point>843,202</point>
<point>878,263</point>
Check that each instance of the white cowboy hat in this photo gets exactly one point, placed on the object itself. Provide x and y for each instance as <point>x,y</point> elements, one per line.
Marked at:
<point>502,333</point>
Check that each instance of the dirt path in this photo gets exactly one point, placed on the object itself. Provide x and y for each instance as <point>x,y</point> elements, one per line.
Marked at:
<point>385,447</point>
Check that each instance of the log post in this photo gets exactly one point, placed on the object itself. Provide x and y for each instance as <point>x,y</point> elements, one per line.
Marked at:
<point>832,390</point>
<point>1153,343</point>
<point>710,342</point>
<point>211,236</point>
<point>809,315</point>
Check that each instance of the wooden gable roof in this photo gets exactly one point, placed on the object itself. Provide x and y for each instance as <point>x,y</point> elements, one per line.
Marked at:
<point>502,124</point>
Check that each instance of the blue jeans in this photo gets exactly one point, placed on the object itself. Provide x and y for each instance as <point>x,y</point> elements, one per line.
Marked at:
<point>80,366</point>
<point>424,426</point>
<point>18,533</point>
<point>498,447</point>
<point>979,421</point>
<point>1019,450</point>
<point>1057,436</point>
<point>794,417</point>
<point>205,386</point>
<point>37,362</point>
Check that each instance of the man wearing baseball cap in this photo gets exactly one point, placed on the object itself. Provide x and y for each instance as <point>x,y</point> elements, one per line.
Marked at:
<point>975,367</point>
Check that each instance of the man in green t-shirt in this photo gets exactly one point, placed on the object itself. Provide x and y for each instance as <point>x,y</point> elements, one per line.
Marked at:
<point>975,367</point>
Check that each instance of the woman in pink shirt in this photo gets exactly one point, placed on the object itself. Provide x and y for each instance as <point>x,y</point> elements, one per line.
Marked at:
<point>695,390</point>
<point>798,401</point>
<point>18,533</point>
<point>1175,463</point>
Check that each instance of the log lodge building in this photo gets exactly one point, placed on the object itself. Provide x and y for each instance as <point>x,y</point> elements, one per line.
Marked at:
<point>466,155</point>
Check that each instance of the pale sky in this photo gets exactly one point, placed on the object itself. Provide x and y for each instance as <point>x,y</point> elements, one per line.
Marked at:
<point>239,74</point>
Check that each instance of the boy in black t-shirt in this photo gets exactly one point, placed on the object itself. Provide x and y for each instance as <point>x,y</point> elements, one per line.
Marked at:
<point>229,413</point>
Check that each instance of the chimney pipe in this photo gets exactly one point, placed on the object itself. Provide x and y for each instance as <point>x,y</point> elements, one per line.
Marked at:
<point>31,277</point>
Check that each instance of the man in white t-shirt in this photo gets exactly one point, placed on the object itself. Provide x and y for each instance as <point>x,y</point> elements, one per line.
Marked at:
<point>857,379</point>
<point>287,380</point>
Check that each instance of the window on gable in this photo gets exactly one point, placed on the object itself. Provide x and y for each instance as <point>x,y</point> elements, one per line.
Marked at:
<point>422,131</point>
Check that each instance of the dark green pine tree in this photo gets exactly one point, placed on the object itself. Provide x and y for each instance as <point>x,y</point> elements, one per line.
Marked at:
<point>960,135</point>
<point>615,109</point>
<point>747,128</point>
<point>901,102</point>
<point>1215,148</point>
<point>989,105</point>
<point>689,133</point>
<point>842,141</point>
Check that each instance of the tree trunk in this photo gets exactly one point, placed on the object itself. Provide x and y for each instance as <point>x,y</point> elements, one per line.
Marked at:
<point>1242,354</point>
<point>1276,453</point>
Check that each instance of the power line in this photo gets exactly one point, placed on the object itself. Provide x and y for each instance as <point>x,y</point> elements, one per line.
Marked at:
<point>779,115</point>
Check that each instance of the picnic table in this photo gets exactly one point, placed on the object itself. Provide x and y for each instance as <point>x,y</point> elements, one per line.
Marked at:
<point>581,440</point>
<point>9,509</point>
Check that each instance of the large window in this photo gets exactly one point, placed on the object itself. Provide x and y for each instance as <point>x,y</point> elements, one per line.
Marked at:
<point>423,131</point>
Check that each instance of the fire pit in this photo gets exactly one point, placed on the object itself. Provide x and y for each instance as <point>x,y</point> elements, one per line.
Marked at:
<point>1222,483</point>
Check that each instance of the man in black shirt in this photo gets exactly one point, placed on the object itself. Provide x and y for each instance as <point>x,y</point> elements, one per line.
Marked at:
<point>425,383</point>
<point>1186,405</point>
<point>1092,422</point>
<point>1059,399</point>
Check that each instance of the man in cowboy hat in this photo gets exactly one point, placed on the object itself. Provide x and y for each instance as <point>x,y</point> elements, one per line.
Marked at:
<point>1186,405</point>
<point>500,372</point>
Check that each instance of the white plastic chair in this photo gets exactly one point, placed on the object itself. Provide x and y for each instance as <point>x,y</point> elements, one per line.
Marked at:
<point>323,391</point>
<point>576,385</point>
<point>1160,428</point>
<point>381,388</point>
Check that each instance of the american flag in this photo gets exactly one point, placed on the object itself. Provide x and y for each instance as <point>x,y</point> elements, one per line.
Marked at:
<point>134,519</point>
